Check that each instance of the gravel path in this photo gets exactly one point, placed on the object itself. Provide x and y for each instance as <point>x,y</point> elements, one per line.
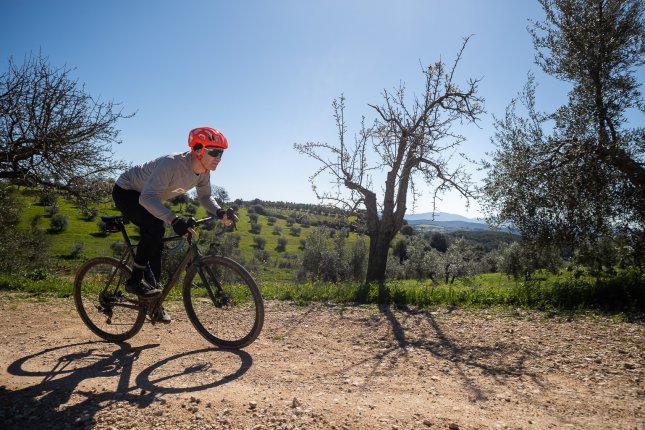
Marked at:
<point>324,367</point>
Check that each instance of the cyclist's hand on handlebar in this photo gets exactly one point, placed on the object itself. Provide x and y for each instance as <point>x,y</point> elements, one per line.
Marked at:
<point>231,215</point>
<point>183,225</point>
<point>228,216</point>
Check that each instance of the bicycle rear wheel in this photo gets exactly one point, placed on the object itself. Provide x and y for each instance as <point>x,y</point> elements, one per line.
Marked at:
<point>223,302</point>
<point>102,302</point>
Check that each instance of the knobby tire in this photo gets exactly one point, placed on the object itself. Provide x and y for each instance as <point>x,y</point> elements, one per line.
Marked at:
<point>111,313</point>
<point>233,320</point>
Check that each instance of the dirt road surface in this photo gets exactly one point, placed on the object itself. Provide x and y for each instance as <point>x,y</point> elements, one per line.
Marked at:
<point>324,367</point>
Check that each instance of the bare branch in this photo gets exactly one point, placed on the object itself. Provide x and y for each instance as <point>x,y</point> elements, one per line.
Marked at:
<point>52,133</point>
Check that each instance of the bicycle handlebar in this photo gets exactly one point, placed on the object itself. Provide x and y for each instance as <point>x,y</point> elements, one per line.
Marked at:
<point>203,220</point>
<point>181,239</point>
<point>212,217</point>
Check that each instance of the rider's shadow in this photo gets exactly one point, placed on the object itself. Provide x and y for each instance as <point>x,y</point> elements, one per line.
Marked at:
<point>59,399</point>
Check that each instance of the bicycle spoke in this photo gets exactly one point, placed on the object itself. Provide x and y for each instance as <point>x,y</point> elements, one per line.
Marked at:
<point>224,303</point>
<point>102,302</point>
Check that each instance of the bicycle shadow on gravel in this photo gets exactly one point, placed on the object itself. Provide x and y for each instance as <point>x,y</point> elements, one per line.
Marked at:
<point>62,400</point>
<point>192,371</point>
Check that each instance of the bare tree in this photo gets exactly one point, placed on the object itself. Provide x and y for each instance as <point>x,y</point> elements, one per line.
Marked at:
<point>52,132</point>
<point>410,140</point>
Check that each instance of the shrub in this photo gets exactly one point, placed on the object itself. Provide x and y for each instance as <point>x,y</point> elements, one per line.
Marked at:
<point>59,222</point>
<point>358,259</point>
<point>35,221</point>
<point>253,218</point>
<point>37,274</point>
<point>288,261</point>
<point>90,214</point>
<point>282,244</point>
<point>295,231</point>
<point>102,226</point>
<point>407,230</point>
<point>19,250</point>
<point>256,228</point>
<point>33,250</point>
<point>77,249</point>
<point>324,257</point>
<point>261,255</point>
<point>277,230</point>
<point>258,209</point>
<point>271,220</point>
<point>259,242</point>
<point>48,198</point>
<point>50,211</point>
<point>394,268</point>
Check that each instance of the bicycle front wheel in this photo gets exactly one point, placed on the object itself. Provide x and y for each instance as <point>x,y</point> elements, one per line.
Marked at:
<point>223,302</point>
<point>102,302</point>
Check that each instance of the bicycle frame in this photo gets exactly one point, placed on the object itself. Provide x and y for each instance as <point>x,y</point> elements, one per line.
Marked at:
<point>192,256</point>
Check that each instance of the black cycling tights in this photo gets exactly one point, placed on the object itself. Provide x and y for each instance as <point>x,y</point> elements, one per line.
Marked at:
<point>151,229</point>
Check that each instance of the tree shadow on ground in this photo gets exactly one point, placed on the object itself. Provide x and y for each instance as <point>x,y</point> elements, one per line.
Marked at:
<point>61,398</point>
<point>500,362</point>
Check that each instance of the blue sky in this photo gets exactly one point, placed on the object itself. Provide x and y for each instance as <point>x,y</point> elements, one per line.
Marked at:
<point>266,72</point>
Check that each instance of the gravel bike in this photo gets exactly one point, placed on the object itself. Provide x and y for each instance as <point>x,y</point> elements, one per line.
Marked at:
<point>222,300</point>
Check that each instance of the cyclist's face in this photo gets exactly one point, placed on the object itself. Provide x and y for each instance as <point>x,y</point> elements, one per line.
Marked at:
<point>209,161</point>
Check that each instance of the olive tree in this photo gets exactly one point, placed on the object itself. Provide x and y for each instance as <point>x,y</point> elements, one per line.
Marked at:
<point>410,140</point>
<point>220,194</point>
<point>577,173</point>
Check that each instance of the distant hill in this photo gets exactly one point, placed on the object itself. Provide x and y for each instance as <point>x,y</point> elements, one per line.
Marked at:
<point>441,217</point>
<point>444,221</point>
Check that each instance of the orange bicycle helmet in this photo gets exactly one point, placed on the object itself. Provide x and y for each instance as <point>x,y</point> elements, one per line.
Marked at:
<point>203,137</point>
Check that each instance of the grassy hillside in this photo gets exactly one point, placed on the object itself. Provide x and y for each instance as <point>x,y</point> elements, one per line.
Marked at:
<point>84,232</point>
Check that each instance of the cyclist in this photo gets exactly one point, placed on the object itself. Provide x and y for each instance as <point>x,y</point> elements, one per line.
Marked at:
<point>139,194</point>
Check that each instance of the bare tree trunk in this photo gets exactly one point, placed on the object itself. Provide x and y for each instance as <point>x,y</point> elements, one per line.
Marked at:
<point>382,232</point>
<point>377,261</point>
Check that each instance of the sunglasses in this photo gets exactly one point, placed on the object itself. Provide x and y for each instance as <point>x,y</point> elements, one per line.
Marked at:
<point>215,153</point>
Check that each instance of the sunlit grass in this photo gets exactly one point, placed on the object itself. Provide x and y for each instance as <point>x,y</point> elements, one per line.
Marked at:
<point>624,292</point>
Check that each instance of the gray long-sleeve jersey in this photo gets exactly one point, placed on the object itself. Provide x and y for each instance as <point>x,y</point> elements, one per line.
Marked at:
<point>164,178</point>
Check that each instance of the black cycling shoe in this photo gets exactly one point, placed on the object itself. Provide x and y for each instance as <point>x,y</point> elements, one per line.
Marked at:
<point>141,289</point>
<point>161,316</point>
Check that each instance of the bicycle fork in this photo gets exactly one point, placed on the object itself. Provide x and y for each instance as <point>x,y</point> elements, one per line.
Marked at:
<point>218,297</point>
